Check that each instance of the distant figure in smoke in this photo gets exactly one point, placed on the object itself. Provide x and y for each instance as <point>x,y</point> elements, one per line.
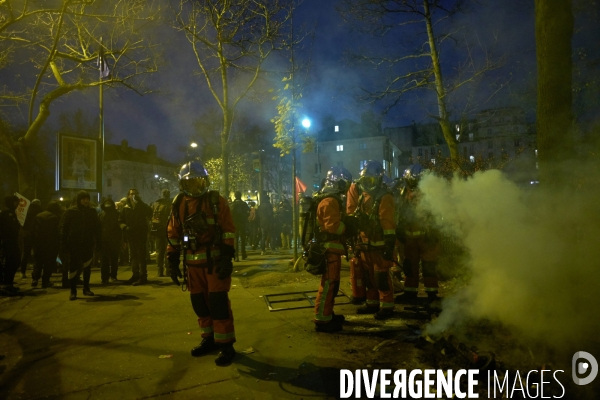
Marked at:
<point>421,244</point>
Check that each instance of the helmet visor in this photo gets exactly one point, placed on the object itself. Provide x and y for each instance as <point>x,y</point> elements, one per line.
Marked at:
<point>195,186</point>
<point>368,183</point>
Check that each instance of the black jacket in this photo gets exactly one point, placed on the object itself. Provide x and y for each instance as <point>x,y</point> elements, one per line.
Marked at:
<point>9,230</point>
<point>109,223</point>
<point>265,213</point>
<point>239,212</point>
<point>80,230</point>
<point>46,232</point>
<point>136,218</point>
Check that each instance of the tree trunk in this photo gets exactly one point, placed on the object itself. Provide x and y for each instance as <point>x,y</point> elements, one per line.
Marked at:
<point>24,171</point>
<point>553,34</point>
<point>440,91</point>
<point>225,135</point>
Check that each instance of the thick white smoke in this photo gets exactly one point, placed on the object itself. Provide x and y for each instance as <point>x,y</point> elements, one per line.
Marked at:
<point>534,256</point>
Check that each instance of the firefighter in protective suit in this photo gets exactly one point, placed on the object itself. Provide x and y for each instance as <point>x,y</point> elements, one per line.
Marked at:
<point>201,233</point>
<point>421,244</point>
<point>357,269</point>
<point>373,213</point>
<point>330,228</point>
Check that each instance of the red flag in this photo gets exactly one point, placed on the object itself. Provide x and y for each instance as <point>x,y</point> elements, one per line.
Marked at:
<point>300,188</point>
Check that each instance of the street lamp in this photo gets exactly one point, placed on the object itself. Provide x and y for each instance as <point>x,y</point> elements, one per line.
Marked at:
<point>194,145</point>
<point>306,123</point>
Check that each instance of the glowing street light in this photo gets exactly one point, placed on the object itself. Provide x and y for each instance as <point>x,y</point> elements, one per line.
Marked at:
<point>306,123</point>
<point>194,144</point>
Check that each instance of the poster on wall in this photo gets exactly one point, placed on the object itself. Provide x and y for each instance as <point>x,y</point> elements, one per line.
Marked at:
<point>77,166</point>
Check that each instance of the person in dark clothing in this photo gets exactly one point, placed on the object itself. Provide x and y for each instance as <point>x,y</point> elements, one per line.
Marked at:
<point>161,209</point>
<point>9,245</point>
<point>26,234</point>
<point>79,235</point>
<point>240,212</point>
<point>265,214</point>
<point>111,241</point>
<point>285,222</point>
<point>254,226</point>
<point>135,216</point>
<point>46,244</point>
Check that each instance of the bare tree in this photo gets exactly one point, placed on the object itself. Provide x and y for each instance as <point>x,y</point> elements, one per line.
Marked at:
<point>231,39</point>
<point>412,64</point>
<point>59,46</point>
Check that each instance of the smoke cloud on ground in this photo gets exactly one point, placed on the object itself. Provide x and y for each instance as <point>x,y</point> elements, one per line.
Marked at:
<point>533,256</point>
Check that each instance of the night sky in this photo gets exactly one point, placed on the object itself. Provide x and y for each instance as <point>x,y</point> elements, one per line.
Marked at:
<point>166,118</point>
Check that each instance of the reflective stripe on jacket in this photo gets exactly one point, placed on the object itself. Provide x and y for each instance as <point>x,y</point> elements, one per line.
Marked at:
<point>329,218</point>
<point>189,206</point>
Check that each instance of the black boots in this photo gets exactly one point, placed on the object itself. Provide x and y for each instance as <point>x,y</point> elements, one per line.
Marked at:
<point>142,281</point>
<point>338,318</point>
<point>329,327</point>
<point>206,346</point>
<point>226,355</point>
<point>367,309</point>
<point>407,298</point>
<point>384,313</point>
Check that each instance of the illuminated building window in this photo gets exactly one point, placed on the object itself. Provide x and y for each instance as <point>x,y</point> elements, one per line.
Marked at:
<point>339,147</point>
<point>472,158</point>
<point>337,128</point>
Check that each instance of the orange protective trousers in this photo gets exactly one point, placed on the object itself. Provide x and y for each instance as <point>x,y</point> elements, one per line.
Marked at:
<point>330,285</point>
<point>213,308</point>
<point>380,290</point>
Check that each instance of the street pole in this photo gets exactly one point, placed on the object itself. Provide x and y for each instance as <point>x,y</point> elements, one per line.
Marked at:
<point>260,174</point>
<point>294,195</point>
<point>101,133</point>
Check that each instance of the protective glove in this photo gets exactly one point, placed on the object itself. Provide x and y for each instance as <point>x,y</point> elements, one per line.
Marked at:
<point>388,249</point>
<point>173,259</point>
<point>225,267</point>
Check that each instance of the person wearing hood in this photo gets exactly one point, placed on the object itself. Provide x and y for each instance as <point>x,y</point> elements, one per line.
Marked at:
<point>26,234</point>
<point>45,244</point>
<point>79,235</point>
<point>111,240</point>
<point>9,244</point>
<point>136,215</point>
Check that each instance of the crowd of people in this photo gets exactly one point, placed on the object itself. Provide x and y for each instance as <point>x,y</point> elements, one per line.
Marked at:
<point>368,219</point>
<point>109,235</point>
